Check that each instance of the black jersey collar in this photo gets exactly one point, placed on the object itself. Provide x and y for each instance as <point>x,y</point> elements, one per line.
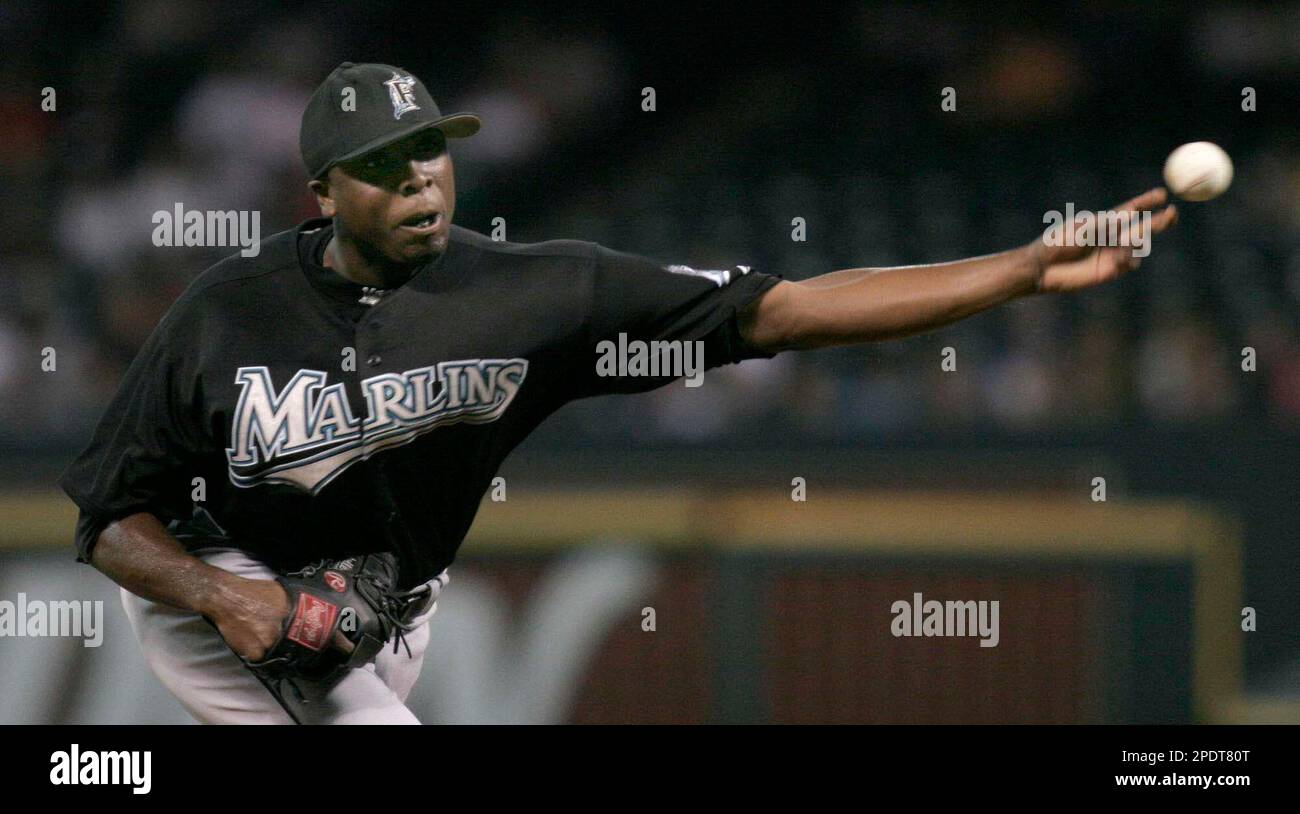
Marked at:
<point>332,283</point>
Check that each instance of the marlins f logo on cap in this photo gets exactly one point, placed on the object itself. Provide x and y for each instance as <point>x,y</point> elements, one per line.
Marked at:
<point>390,104</point>
<point>401,88</point>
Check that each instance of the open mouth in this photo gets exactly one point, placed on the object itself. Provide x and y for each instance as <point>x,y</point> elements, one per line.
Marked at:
<point>422,222</point>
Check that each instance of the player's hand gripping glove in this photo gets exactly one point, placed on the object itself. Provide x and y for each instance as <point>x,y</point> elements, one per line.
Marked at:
<point>342,613</point>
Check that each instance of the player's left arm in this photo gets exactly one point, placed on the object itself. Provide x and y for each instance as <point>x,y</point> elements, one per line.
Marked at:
<point>868,304</point>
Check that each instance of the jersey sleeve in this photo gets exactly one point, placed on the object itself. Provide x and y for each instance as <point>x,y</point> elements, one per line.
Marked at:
<point>141,455</point>
<point>636,298</point>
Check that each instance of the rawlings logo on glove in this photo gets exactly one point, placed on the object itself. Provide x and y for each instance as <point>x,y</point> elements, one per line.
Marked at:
<point>312,622</point>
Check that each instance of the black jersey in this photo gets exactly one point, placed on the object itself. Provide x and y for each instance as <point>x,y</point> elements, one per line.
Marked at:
<point>326,419</point>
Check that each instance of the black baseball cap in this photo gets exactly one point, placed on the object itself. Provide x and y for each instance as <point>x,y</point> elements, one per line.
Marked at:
<point>386,104</point>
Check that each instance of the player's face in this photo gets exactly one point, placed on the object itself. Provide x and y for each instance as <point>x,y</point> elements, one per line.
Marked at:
<point>396,204</point>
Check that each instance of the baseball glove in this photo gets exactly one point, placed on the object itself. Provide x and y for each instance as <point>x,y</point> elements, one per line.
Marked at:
<point>342,613</point>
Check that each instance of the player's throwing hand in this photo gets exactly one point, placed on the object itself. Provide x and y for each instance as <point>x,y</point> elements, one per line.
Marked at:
<point>1065,265</point>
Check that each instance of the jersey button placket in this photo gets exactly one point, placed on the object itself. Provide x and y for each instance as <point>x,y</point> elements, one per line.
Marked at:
<point>375,358</point>
<point>365,339</point>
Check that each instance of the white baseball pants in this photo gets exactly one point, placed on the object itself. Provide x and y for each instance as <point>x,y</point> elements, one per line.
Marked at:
<point>191,659</point>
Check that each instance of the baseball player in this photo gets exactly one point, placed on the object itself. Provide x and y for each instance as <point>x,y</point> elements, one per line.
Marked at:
<point>345,397</point>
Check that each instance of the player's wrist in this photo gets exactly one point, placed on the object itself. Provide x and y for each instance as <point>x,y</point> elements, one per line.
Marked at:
<point>1031,265</point>
<point>220,597</point>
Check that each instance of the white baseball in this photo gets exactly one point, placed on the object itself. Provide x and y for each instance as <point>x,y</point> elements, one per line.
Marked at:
<point>1198,171</point>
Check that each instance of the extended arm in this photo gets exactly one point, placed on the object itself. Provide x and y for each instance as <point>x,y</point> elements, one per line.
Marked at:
<point>863,305</point>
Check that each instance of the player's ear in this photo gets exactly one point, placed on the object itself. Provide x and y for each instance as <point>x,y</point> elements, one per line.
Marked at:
<point>321,188</point>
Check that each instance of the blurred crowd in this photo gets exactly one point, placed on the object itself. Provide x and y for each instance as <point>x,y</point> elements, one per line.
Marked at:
<point>160,103</point>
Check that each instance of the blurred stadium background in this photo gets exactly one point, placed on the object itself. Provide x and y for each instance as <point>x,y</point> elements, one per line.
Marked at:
<point>972,484</point>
